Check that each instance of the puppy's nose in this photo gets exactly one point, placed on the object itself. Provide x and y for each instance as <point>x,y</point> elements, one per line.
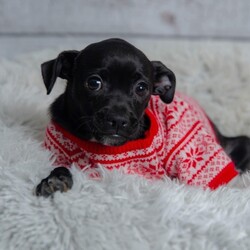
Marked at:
<point>117,122</point>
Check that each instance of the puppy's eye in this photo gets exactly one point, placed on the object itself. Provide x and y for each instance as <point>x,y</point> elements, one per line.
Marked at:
<point>94,83</point>
<point>141,88</point>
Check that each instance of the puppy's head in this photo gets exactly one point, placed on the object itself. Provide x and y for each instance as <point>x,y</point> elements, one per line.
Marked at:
<point>109,85</point>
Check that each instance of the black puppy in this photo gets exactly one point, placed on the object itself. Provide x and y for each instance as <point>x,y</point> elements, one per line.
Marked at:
<point>109,85</point>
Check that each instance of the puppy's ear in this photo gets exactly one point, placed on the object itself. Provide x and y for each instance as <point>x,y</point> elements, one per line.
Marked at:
<point>164,82</point>
<point>60,67</point>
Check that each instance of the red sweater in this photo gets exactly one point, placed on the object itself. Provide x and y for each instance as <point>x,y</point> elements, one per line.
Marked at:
<point>180,143</point>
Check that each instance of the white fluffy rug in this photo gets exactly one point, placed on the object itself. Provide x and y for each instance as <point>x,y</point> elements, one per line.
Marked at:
<point>122,212</point>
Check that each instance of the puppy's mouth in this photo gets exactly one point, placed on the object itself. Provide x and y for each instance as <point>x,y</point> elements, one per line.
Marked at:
<point>111,140</point>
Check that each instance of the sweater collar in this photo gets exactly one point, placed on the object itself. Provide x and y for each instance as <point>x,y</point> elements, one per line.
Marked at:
<point>97,148</point>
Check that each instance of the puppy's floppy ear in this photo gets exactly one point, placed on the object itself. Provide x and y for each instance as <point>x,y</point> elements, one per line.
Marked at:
<point>164,82</point>
<point>60,67</point>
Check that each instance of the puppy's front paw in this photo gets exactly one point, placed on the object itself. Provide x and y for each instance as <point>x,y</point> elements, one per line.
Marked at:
<point>60,179</point>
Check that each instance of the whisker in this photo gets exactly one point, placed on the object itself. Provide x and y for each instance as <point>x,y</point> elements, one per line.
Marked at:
<point>86,117</point>
<point>84,120</point>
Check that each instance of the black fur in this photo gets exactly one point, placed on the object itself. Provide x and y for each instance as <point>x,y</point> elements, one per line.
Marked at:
<point>108,88</point>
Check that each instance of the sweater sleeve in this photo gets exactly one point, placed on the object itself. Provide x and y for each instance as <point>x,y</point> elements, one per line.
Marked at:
<point>59,147</point>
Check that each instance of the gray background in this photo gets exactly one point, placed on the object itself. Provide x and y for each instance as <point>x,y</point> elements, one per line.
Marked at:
<point>28,25</point>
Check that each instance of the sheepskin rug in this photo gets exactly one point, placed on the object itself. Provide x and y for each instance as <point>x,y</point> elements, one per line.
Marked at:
<point>120,211</point>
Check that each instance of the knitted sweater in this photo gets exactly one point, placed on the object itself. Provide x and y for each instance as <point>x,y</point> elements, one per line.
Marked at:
<point>180,143</point>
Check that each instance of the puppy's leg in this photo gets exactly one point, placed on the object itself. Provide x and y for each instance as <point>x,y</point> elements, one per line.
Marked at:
<point>238,148</point>
<point>60,179</point>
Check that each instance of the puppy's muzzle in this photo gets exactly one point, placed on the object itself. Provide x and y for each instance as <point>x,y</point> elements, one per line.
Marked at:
<point>117,123</point>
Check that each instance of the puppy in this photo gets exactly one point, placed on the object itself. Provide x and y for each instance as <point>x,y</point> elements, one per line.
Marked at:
<point>121,110</point>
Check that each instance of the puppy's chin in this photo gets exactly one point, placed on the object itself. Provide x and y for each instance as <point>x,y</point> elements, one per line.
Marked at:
<point>112,140</point>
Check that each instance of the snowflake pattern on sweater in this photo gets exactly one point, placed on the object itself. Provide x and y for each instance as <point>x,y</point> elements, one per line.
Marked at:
<point>180,143</point>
